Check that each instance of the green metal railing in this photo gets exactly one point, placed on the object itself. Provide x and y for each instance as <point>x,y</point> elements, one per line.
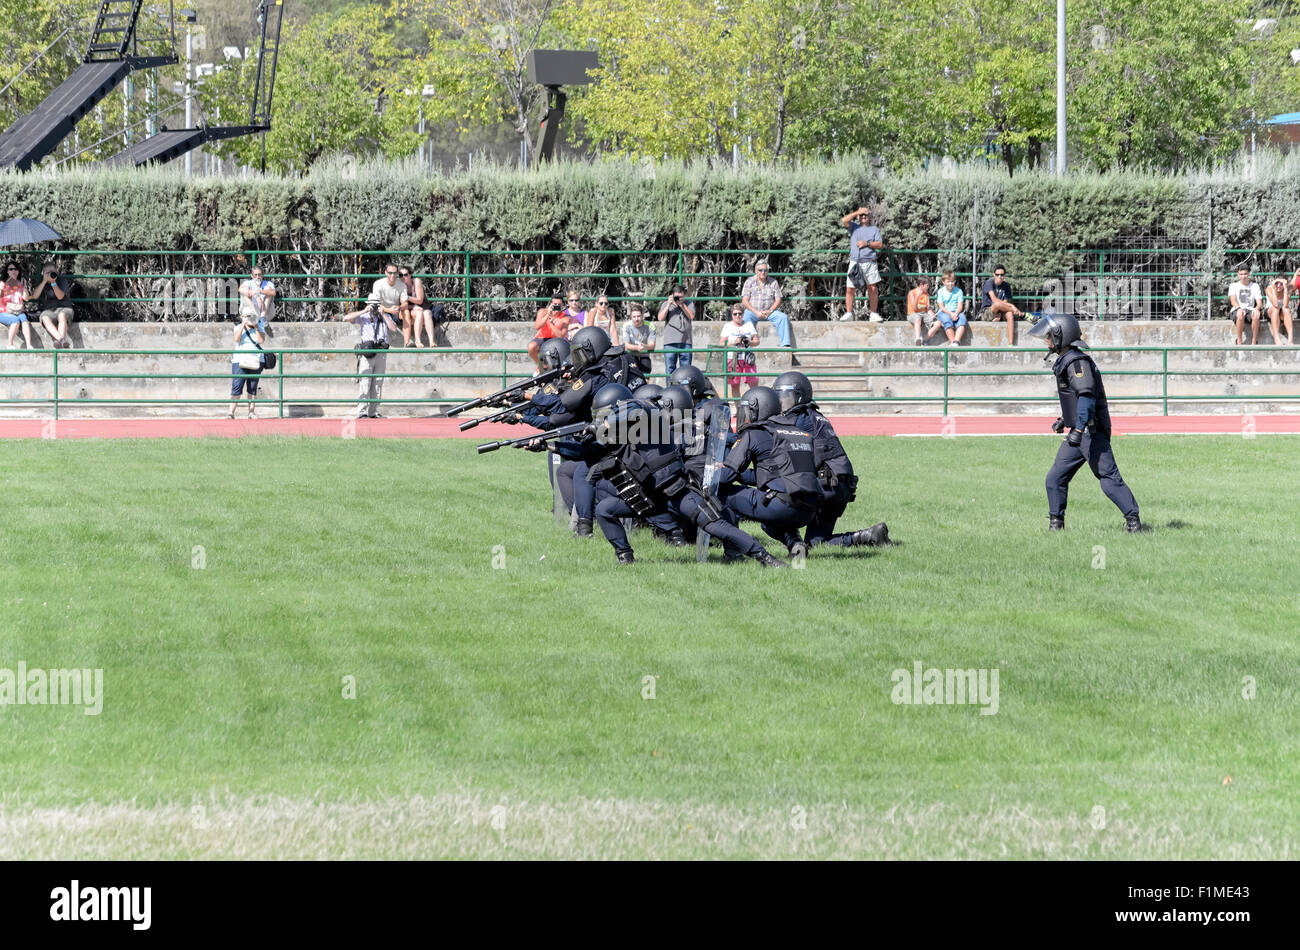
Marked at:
<point>293,386</point>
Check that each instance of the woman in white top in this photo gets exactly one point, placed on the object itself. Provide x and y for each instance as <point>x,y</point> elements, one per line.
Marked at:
<point>603,317</point>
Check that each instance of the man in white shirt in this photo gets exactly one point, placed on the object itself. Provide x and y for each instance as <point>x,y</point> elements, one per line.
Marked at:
<point>391,293</point>
<point>1244,299</point>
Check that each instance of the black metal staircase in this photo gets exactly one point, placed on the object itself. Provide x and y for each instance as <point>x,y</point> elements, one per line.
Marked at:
<point>114,28</point>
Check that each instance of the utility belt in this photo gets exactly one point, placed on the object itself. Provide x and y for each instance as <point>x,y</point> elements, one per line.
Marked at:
<point>831,483</point>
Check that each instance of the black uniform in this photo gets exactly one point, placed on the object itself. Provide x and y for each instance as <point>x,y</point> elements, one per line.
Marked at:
<point>788,492</point>
<point>1084,408</point>
<point>834,473</point>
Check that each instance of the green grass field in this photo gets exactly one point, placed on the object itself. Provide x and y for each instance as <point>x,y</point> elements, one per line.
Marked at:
<point>228,587</point>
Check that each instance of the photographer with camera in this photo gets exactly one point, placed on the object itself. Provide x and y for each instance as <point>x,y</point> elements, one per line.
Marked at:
<point>246,363</point>
<point>54,301</point>
<point>676,314</point>
<point>372,358</point>
<point>551,323</point>
<point>740,333</point>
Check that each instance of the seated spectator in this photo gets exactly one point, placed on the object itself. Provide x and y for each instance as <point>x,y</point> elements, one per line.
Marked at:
<point>740,333</point>
<point>639,337</point>
<point>246,363</point>
<point>950,314</point>
<point>918,308</point>
<point>551,323</point>
<point>997,303</point>
<point>54,300</point>
<point>13,304</point>
<point>257,299</point>
<point>577,316</point>
<point>1244,299</point>
<point>603,317</point>
<point>415,314</point>
<point>761,299</point>
<point>1279,308</point>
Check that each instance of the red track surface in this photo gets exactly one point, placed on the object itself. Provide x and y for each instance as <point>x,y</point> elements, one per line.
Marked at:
<point>447,428</point>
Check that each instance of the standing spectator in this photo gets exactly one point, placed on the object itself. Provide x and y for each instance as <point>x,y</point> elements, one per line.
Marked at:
<point>761,299</point>
<point>865,240</point>
<point>997,303</point>
<point>246,363</point>
<point>740,333</point>
<point>375,323</point>
<point>676,314</point>
<point>551,323</point>
<point>950,314</point>
<point>54,300</point>
<point>639,337</point>
<point>603,317</point>
<point>415,315</point>
<point>1279,300</point>
<point>577,316</point>
<point>1244,298</point>
<point>918,307</point>
<point>257,299</point>
<point>13,304</point>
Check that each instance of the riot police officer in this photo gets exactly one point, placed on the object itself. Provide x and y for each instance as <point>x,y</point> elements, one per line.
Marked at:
<point>643,474</point>
<point>834,470</point>
<point>1085,413</point>
<point>786,492</point>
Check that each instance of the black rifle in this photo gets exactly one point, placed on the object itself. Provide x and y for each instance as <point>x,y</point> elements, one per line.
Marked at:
<point>505,395</point>
<point>575,429</point>
<point>495,417</point>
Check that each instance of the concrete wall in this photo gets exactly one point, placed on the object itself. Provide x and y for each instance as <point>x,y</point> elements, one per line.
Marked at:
<point>435,374</point>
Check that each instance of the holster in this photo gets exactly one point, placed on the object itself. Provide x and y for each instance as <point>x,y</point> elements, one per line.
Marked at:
<point>828,478</point>
<point>630,490</point>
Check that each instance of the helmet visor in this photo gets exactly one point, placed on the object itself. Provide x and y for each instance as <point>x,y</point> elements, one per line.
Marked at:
<point>1041,327</point>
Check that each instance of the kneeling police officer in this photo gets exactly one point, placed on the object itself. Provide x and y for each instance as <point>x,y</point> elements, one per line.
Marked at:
<point>1085,413</point>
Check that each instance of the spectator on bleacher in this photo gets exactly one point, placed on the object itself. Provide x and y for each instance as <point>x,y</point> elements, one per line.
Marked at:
<point>740,333</point>
<point>246,363</point>
<point>676,314</point>
<point>603,317</point>
<point>998,303</point>
<point>257,299</point>
<point>865,240</point>
<point>551,323</point>
<point>577,316</point>
<point>391,293</point>
<point>415,315</point>
<point>918,308</point>
<point>54,301</point>
<point>950,315</point>
<point>13,304</point>
<point>1279,308</point>
<point>375,323</point>
<point>761,298</point>
<point>639,337</point>
<point>1244,298</point>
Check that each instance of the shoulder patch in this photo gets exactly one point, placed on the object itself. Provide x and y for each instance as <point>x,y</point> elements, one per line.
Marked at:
<point>1078,369</point>
<point>577,384</point>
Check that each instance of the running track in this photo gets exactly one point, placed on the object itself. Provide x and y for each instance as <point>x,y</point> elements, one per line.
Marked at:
<point>447,428</point>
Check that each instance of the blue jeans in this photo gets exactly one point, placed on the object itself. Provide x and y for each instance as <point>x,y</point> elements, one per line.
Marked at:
<point>676,354</point>
<point>778,319</point>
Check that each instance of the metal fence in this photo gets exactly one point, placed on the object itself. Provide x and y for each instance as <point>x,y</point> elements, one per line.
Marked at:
<point>1110,283</point>
<point>291,383</point>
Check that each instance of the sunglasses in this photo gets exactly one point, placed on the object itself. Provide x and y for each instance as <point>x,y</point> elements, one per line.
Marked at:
<point>391,273</point>
<point>406,273</point>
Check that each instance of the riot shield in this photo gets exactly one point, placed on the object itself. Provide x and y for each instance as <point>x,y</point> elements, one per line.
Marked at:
<point>715,450</point>
<point>561,510</point>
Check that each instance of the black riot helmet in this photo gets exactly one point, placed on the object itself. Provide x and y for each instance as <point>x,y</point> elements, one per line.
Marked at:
<point>693,380</point>
<point>607,397</point>
<point>1060,330</point>
<point>676,399</point>
<point>793,389</point>
<point>756,405</point>
<point>588,345</point>
<point>553,354</point>
<point>648,392</point>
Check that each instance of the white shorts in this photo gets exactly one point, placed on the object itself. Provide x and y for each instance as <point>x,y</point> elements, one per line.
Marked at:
<point>870,269</point>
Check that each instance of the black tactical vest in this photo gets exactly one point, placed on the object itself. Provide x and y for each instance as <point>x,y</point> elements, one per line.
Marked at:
<point>792,460</point>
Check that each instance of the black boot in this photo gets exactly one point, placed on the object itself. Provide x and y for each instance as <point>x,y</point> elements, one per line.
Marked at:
<point>676,538</point>
<point>1133,524</point>
<point>1056,522</point>
<point>875,536</point>
<point>583,528</point>
<point>762,557</point>
<point>625,557</point>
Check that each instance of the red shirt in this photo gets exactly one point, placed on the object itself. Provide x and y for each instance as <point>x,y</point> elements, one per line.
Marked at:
<point>13,298</point>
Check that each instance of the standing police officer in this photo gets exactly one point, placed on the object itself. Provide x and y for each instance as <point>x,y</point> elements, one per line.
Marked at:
<point>1085,413</point>
<point>834,470</point>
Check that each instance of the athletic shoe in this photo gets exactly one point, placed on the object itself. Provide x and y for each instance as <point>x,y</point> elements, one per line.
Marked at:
<point>848,315</point>
<point>876,318</point>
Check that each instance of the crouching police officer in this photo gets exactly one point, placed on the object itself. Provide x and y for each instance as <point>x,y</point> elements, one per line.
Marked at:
<point>834,470</point>
<point>787,491</point>
<point>1085,413</point>
<point>643,474</point>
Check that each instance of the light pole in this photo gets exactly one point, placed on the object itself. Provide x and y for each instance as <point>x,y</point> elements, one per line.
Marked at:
<point>428,92</point>
<point>1260,30</point>
<point>1060,87</point>
<point>190,18</point>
